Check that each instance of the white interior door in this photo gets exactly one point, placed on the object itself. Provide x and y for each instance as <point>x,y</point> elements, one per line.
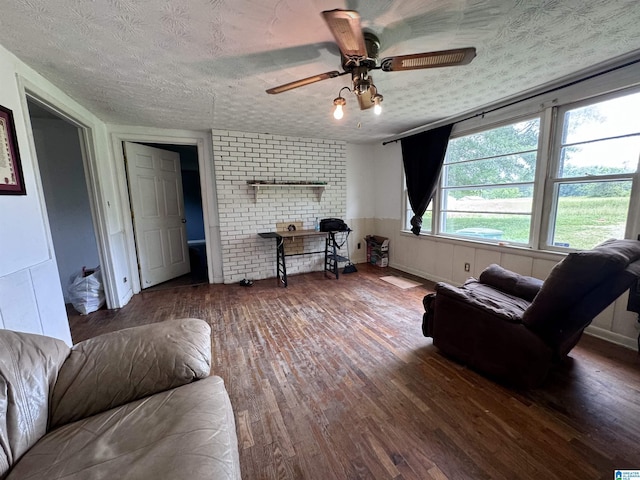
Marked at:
<point>155,186</point>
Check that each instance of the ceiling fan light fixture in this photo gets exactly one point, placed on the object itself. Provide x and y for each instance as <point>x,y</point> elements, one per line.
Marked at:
<point>362,88</point>
<point>361,80</point>
<point>359,54</point>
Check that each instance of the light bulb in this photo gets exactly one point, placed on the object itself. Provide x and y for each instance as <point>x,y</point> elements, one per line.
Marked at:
<point>377,100</point>
<point>339,102</point>
<point>338,113</point>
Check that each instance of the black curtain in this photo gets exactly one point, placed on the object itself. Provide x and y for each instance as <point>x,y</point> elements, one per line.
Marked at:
<point>422,155</point>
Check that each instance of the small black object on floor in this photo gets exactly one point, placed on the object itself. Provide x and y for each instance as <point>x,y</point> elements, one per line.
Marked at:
<point>246,283</point>
<point>349,268</point>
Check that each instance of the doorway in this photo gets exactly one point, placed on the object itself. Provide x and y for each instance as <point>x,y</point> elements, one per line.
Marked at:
<point>59,150</point>
<point>192,216</point>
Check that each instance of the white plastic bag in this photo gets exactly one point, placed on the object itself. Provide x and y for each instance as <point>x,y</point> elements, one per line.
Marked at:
<point>86,292</point>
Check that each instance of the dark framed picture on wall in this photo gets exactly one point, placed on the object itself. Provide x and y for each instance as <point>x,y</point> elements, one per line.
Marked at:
<point>11,179</point>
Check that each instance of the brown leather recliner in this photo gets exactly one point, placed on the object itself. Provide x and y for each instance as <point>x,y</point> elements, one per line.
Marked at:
<point>512,327</point>
<point>133,404</point>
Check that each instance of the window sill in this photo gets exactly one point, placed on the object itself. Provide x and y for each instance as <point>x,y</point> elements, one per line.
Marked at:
<point>493,246</point>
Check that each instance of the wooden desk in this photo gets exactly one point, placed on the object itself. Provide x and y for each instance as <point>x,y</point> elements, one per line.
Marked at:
<point>298,233</point>
<point>331,257</point>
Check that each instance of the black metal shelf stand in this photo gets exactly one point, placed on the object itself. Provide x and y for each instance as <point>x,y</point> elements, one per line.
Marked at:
<point>332,257</point>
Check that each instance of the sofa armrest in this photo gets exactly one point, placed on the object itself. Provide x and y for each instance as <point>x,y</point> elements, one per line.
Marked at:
<point>119,367</point>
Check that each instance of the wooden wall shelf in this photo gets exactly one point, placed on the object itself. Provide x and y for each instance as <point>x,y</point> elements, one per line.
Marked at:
<point>257,186</point>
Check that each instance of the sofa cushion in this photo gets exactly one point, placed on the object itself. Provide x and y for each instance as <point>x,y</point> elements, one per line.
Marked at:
<point>29,366</point>
<point>510,282</point>
<point>486,299</point>
<point>118,367</point>
<point>574,277</point>
<point>187,432</point>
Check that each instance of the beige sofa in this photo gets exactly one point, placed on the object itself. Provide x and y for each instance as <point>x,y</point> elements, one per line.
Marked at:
<point>134,404</point>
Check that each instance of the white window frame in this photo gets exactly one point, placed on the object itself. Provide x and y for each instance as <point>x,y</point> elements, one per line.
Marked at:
<point>442,190</point>
<point>553,181</point>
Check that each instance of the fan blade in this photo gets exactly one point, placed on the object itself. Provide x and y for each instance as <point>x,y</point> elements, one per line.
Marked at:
<point>364,99</point>
<point>443,58</point>
<point>345,27</point>
<point>304,81</point>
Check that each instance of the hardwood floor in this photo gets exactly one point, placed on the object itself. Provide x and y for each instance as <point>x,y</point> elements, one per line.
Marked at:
<point>332,379</point>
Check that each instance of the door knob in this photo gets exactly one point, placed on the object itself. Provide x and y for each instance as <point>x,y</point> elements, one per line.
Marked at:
<point>184,220</point>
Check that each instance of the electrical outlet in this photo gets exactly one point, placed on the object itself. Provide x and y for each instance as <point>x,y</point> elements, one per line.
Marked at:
<point>467,267</point>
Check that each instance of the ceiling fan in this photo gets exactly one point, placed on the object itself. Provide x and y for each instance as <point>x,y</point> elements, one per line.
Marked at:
<point>359,52</point>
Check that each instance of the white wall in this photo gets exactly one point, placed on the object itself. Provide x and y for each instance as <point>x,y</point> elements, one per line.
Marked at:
<point>361,176</point>
<point>104,189</point>
<point>388,180</point>
<point>361,197</point>
<point>31,297</point>
<point>441,259</point>
<point>65,190</point>
<point>244,212</point>
<point>30,293</point>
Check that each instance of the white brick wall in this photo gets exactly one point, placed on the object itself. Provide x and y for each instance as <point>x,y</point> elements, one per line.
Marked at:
<point>241,156</point>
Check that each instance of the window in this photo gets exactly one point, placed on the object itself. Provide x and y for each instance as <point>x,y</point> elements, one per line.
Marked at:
<point>427,218</point>
<point>596,159</point>
<point>487,183</point>
<point>488,190</point>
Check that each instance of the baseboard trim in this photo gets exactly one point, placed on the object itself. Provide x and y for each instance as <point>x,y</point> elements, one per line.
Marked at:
<point>612,337</point>
<point>418,273</point>
<point>124,300</point>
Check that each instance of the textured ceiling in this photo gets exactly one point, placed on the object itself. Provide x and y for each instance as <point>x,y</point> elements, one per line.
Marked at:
<point>202,64</point>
